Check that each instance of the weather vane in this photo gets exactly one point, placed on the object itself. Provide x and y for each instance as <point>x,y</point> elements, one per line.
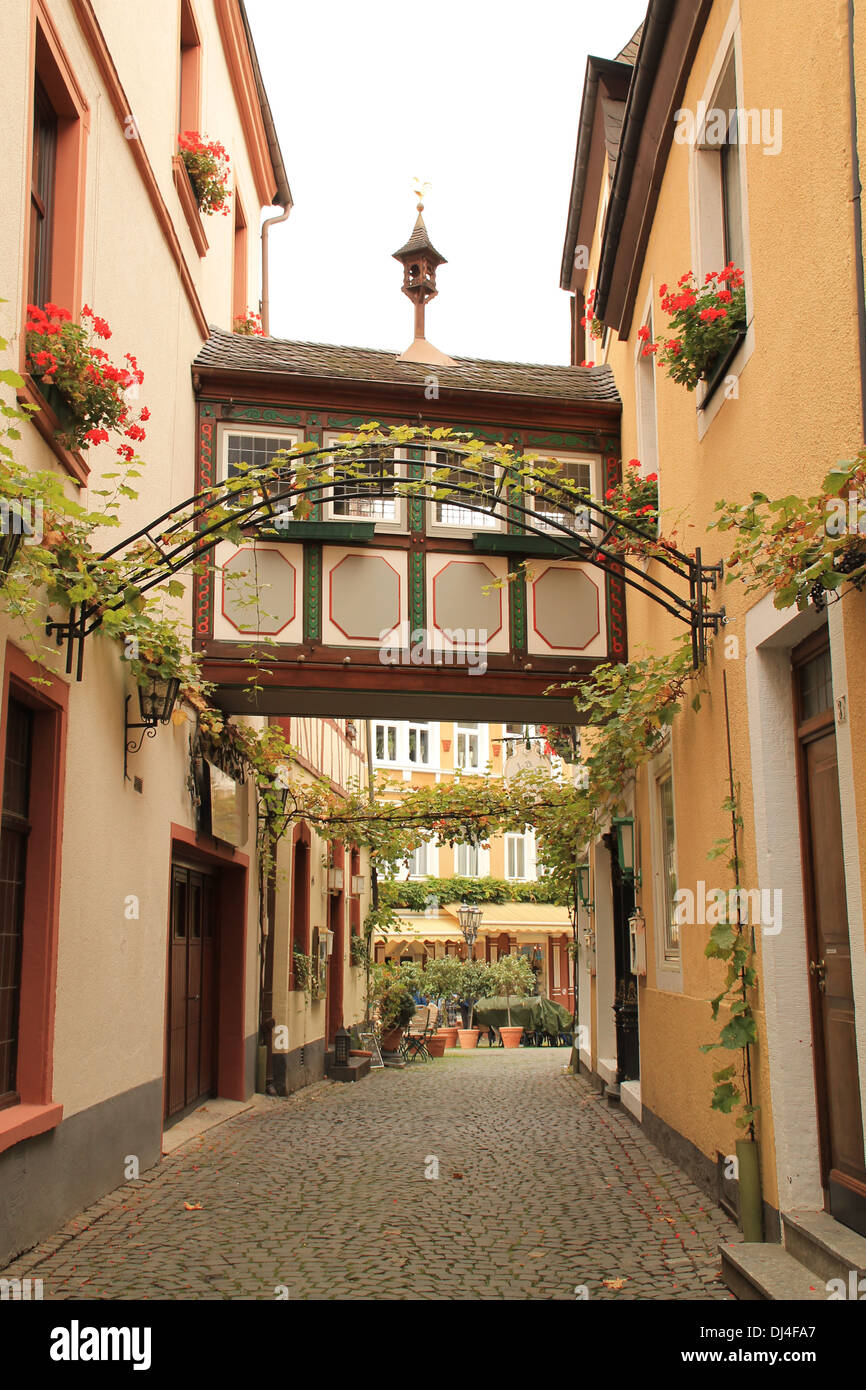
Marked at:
<point>420,190</point>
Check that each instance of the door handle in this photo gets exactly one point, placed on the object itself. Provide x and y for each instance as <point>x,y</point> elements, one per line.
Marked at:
<point>193,996</point>
<point>818,971</point>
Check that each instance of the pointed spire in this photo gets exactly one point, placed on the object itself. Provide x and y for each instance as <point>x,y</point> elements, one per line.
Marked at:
<point>420,260</point>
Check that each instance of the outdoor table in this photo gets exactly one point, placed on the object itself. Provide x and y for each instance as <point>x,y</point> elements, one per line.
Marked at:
<point>533,1014</point>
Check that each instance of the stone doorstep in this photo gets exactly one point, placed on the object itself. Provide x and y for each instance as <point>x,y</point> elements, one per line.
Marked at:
<point>757,1272</point>
<point>212,1112</point>
<point>826,1247</point>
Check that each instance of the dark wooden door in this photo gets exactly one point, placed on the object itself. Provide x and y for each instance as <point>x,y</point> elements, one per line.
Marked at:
<point>830,983</point>
<point>192,1001</point>
<point>625,1006</point>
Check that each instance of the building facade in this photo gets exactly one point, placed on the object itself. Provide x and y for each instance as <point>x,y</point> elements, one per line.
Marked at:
<point>658,191</point>
<point>133,928</point>
<point>425,752</point>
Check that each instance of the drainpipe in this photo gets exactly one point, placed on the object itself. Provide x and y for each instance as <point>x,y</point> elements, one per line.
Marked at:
<point>266,225</point>
<point>856,190</point>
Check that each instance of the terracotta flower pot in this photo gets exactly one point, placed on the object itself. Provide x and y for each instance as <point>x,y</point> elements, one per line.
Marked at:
<point>469,1037</point>
<point>450,1036</point>
<point>510,1036</point>
<point>392,1039</point>
<point>436,1045</point>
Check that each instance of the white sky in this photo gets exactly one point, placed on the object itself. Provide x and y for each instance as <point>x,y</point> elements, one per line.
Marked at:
<point>479,97</point>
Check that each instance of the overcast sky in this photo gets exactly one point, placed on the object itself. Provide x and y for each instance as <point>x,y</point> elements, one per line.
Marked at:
<point>478,97</point>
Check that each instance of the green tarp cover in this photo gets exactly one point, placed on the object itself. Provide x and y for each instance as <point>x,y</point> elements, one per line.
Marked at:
<point>535,1015</point>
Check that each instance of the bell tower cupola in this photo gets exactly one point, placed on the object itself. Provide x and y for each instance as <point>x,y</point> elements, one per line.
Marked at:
<point>420,261</point>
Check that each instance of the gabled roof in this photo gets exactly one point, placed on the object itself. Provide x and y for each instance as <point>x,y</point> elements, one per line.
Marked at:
<point>605,82</point>
<point>235,353</point>
<point>629,53</point>
<point>612,115</point>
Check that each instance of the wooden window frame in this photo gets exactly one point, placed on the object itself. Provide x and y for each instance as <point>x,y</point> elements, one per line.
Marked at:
<point>240,260</point>
<point>36,1111</point>
<point>189,69</point>
<point>50,64</point>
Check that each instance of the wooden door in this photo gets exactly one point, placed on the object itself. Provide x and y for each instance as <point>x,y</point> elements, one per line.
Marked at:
<point>192,1001</point>
<point>625,1004</point>
<point>829,948</point>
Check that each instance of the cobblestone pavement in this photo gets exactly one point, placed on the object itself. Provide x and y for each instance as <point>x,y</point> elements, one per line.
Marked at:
<point>542,1188</point>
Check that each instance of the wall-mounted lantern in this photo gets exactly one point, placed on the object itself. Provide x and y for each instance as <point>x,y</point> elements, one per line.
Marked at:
<point>157,696</point>
<point>624,827</point>
<point>335,879</point>
<point>583,887</point>
<point>359,883</point>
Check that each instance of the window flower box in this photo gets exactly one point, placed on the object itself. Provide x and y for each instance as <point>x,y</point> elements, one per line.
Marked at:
<point>207,165</point>
<point>85,391</point>
<point>705,323</point>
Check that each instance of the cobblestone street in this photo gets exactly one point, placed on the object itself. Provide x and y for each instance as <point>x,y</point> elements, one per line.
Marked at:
<point>542,1188</point>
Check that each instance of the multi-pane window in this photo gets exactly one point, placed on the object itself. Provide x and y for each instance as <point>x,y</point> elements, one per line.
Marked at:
<point>13,866</point>
<point>466,859</point>
<point>554,505</point>
<point>244,452</point>
<point>665,793</point>
<point>732,201</point>
<point>418,736</point>
<point>42,184</point>
<point>469,493</point>
<point>516,857</point>
<point>468,747</point>
<point>417,862</point>
<point>368,491</point>
<point>385,743</point>
<point>816,686</point>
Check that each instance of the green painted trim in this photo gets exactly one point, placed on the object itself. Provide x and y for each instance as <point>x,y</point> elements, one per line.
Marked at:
<point>517,610</point>
<point>320,531</point>
<point>502,544</point>
<point>415,504</point>
<point>262,415</point>
<point>312,593</point>
<point>417,591</point>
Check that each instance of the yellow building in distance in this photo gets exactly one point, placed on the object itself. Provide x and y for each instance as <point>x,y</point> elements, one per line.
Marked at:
<point>427,752</point>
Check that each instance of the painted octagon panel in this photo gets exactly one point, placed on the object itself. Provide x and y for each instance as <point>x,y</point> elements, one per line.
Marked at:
<point>364,597</point>
<point>259,591</point>
<point>567,611</point>
<point>464,601</point>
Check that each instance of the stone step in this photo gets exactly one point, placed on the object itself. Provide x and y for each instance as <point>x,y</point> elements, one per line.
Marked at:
<point>826,1247</point>
<point>757,1272</point>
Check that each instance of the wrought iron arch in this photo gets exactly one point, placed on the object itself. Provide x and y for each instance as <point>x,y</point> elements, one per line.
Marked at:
<point>262,502</point>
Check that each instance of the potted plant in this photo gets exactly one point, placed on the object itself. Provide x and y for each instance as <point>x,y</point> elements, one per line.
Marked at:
<point>441,983</point>
<point>207,164</point>
<point>476,982</point>
<point>705,322</point>
<point>636,499</point>
<point>391,996</point>
<point>248,324</point>
<point>86,391</point>
<point>512,975</point>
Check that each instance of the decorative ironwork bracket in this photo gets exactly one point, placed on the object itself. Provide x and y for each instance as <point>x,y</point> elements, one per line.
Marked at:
<point>148,730</point>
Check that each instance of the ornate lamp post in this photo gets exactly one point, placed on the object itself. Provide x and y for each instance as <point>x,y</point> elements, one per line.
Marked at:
<point>469,917</point>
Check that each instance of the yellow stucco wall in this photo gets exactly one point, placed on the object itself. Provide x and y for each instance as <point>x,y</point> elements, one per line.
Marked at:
<point>796,413</point>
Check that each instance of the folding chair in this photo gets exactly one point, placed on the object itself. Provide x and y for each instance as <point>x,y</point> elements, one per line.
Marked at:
<point>415,1038</point>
